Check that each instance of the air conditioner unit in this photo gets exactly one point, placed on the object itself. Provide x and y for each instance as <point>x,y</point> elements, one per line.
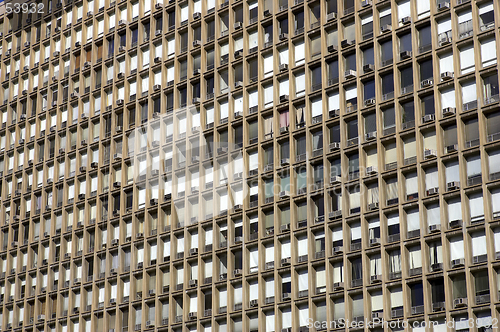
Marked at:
<point>444,41</point>
<point>196,16</point>
<point>449,111</point>
<point>237,273</point>
<point>460,302</point>
<point>338,286</point>
<point>371,207</point>
<point>283,98</point>
<point>156,87</point>
<point>335,146</point>
<point>346,43</point>
<point>330,16</point>
<point>375,279</point>
<point>285,228</point>
<point>74,95</point>
<point>385,28</point>
<point>370,136</point>
<point>332,48</point>
<point>78,44</point>
<point>368,68</point>
<point>335,179</point>
<point>452,185</point>
<point>157,59</point>
<point>283,67</point>
<point>370,102</point>
<point>254,303</point>
<point>443,5</point>
<point>283,36</point>
<point>286,296</point>
<point>428,118</point>
<point>119,102</point>
<point>366,3</point>
<point>122,22</point>
<point>446,75</point>
<point>404,55</point>
<point>286,261</point>
<point>428,153</point>
<point>374,242</point>
<point>432,191</point>
<point>337,250</point>
<point>457,262</point>
<point>452,148</point>
<point>349,74</point>
<point>434,228</point>
<point>284,194</point>
<point>285,162</point>
<point>267,12</point>
<point>455,224</point>
<point>406,20</point>
<point>371,170</point>
<point>426,83</point>
<point>196,43</point>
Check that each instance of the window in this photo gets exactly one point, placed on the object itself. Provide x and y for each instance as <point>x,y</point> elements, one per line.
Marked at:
<point>494,164</point>
<point>423,8</point>
<point>406,75</point>
<point>413,223</point>
<point>486,16</point>
<point>448,99</point>
<point>386,53</point>
<point>490,84</point>
<point>387,86</point>
<point>426,71</point>
<point>476,207</point>
<point>467,59</point>
<point>299,53</point>
<point>367,27</point>
<point>300,87</point>
<point>488,52</point>
<point>469,96</point>
<point>495,203</point>
<point>456,248</point>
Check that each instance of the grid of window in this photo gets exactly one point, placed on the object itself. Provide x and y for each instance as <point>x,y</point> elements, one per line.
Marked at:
<point>348,150</point>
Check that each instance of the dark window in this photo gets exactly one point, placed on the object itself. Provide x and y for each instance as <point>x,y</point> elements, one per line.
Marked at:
<point>386,53</point>
<point>428,105</point>
<point>424,39</point>
<point>350,61</point>
<point>408,112</point>
<point>387,86</point>
<point>335,134</point>
<point>135,36</point>
<point>299,21</point>
<point>405,42</point>
<point>352,129</point>
<point>367,30</point>
<point>406,78</point>
<point>368,56</point>
<point>426,70</point>
<point>369,89</point>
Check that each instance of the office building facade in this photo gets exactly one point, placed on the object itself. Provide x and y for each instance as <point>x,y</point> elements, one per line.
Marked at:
<point>249,165</point>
